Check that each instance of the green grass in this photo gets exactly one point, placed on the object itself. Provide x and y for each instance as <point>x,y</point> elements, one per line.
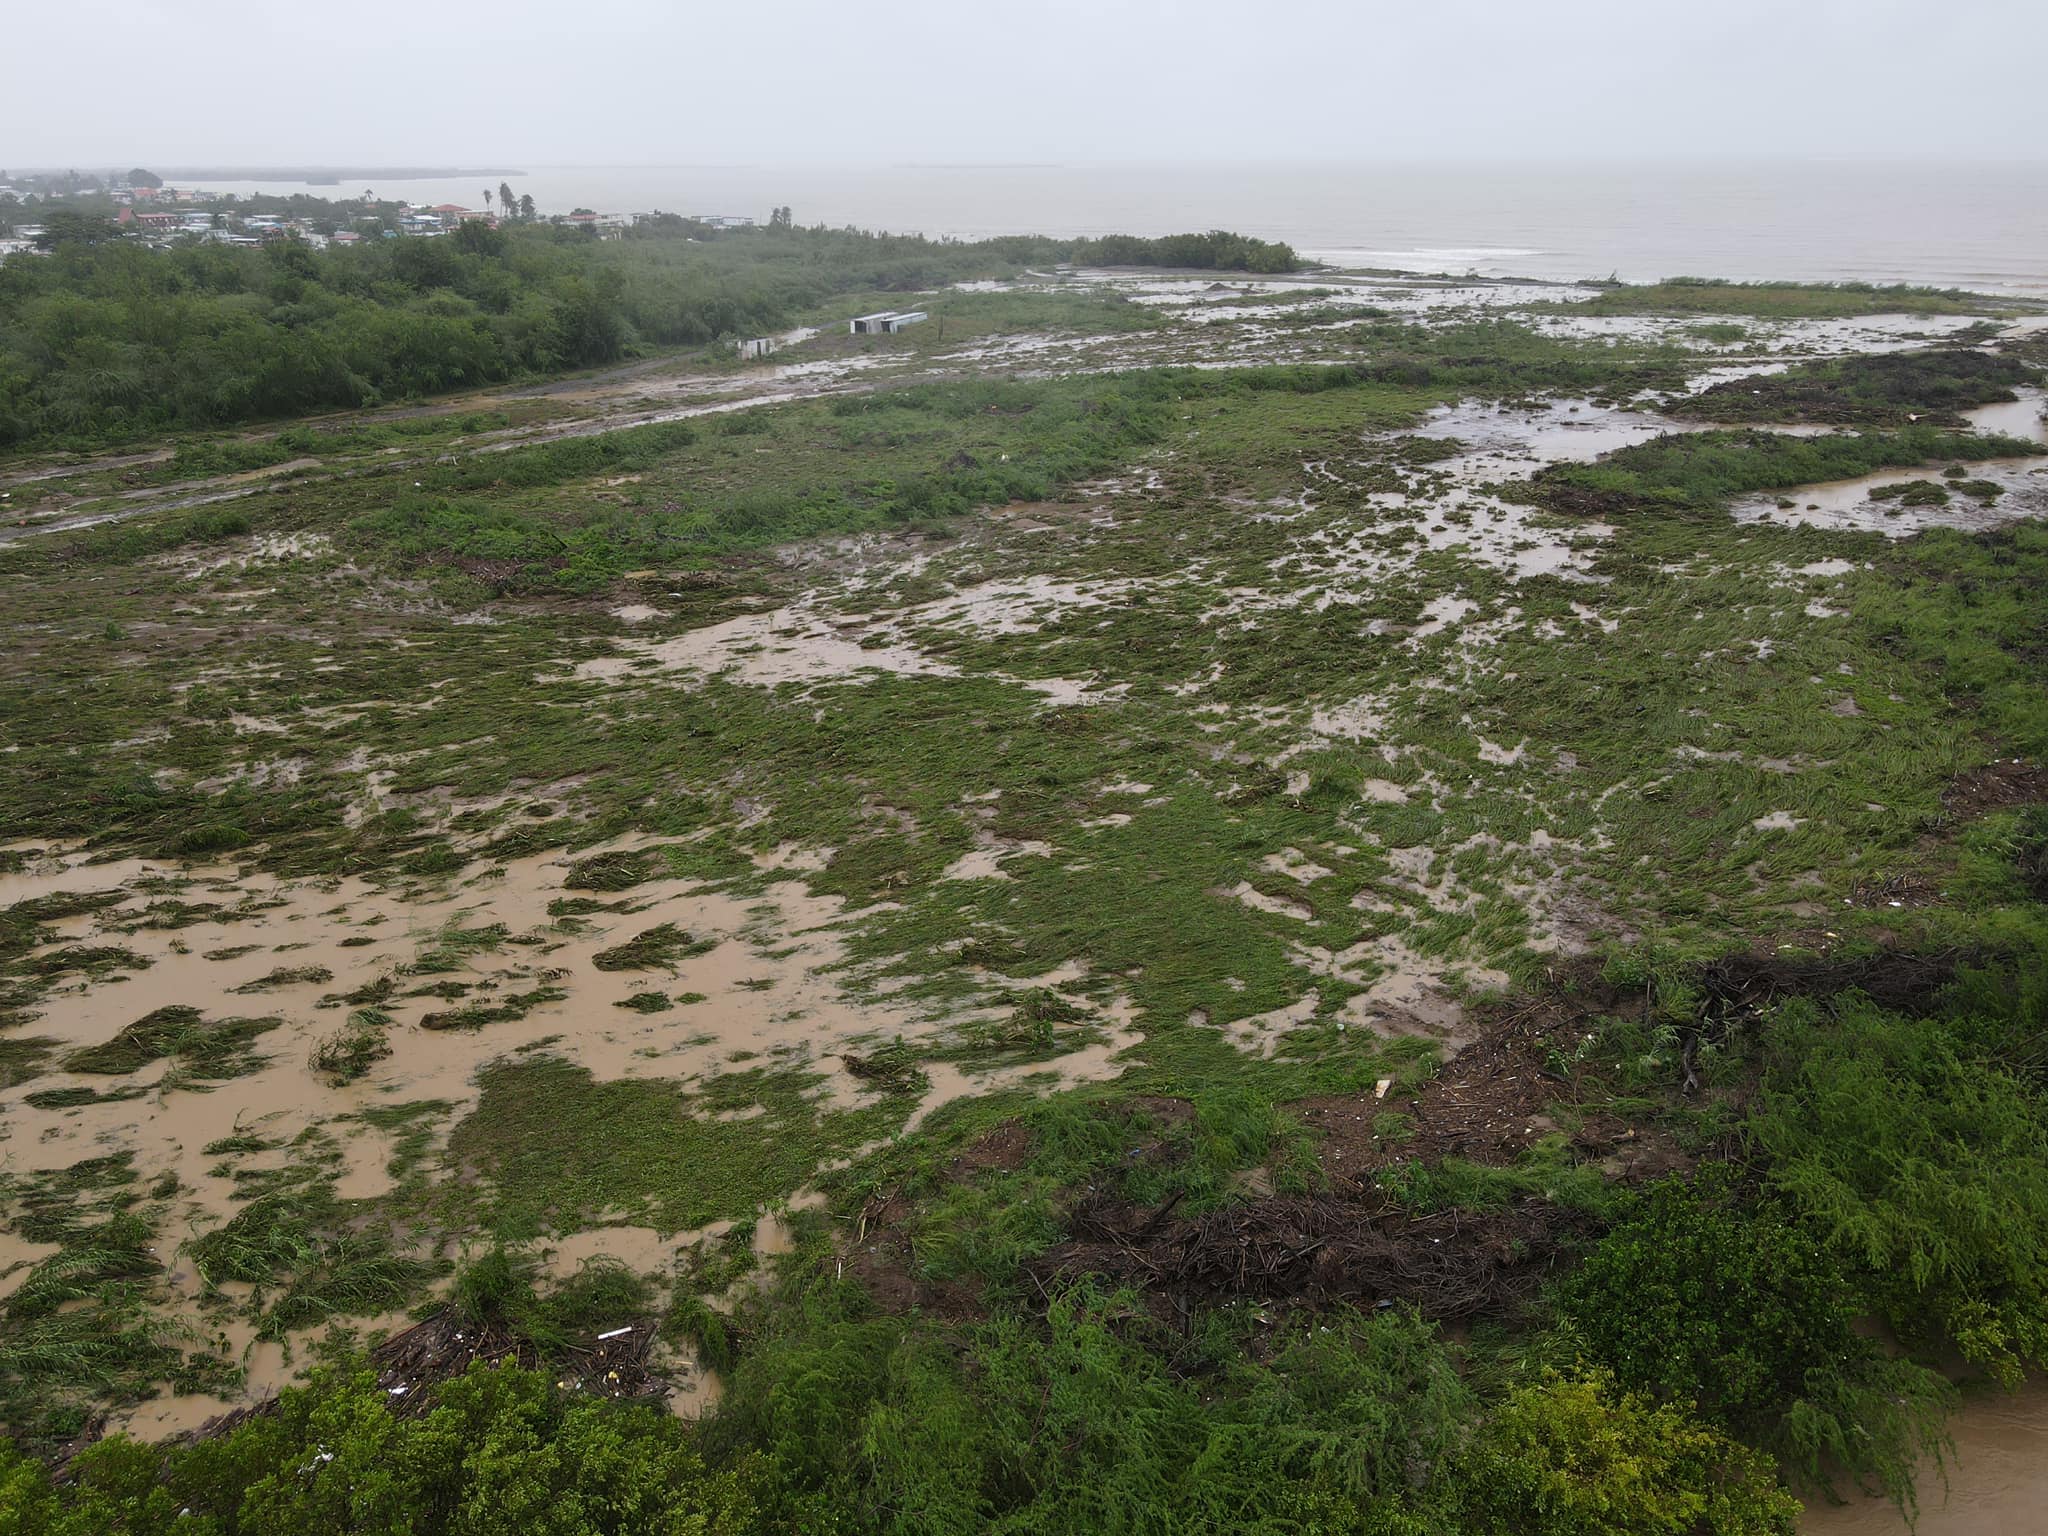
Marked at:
<point>656,949</point>
<point>203,1048</point>
<point>1698,470</point>
<point>557,1147</point>
<point>1778,301</point>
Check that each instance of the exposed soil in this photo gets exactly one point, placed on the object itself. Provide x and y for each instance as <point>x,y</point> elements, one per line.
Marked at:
<point>1999,785</point>
<point>882,1256</point>
<point>1495,1099</point>
<point>1511,1088</point>
<point>1491,1104</point>
<point>1901,981</point>
<point>614,1363</point>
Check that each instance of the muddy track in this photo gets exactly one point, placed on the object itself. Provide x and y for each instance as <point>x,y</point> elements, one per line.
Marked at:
<point>210,492</point>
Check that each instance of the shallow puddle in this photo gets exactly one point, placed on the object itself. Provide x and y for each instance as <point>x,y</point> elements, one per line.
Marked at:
<point>1849,505</point>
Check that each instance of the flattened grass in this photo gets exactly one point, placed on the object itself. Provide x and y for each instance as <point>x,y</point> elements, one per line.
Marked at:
<point>558,1147</point>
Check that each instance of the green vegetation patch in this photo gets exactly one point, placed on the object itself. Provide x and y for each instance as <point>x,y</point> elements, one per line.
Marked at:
<point>1922,1167</point>
<point>1703,1295</point>
<point>1913,493</point>
<point>560,1147</point>
<point>607,872</point>
<point>1693,471</point>
<point>287,976</point>
<point>351,1051</point>
<point>507,1010</point>
<point>1880,389</point>
<point>657,949</point>
<point>1780,301</point>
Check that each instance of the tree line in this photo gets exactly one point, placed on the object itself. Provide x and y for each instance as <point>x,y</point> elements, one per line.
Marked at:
<point>107,339</point>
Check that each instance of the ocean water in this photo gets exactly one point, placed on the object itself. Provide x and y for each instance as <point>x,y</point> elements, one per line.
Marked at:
<point>1981,226</point>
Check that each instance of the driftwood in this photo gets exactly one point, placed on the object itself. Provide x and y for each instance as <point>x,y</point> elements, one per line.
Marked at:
<point>613,1364</point>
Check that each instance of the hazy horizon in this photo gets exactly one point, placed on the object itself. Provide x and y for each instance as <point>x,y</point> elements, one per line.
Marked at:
<point>911,82</point>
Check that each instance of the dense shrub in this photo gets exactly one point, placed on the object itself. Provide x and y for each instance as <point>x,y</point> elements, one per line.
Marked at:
<point>1701,1296</point>
<point>1576,1456</point>
<point>1924,1169</point>
<point>502,1453</point>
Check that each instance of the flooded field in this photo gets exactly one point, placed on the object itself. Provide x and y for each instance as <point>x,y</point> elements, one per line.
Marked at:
<point>939,812</point>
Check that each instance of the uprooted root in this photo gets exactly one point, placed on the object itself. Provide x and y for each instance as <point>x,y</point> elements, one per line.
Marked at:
<point>1315,1249</point>
<point>1901,981</point>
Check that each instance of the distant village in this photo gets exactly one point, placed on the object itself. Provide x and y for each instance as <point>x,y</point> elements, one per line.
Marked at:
<point>164,215</point>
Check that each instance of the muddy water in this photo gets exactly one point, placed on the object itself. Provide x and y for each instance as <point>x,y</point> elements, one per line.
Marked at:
<point>358,933</point>
<point>1513,443</point>
<point>1997,1481</point>
<point>1847,504</point>
<point>2026,417</point>
<point>808,642</point>
<point>763,982</point>
<point>769,986</point>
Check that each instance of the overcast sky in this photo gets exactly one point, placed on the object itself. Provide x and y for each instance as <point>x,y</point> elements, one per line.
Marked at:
<point>104,83</point>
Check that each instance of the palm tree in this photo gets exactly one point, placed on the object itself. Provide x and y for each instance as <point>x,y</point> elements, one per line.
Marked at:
<point>487,199</point>
<point>526,205</point>
<point>506,201</point>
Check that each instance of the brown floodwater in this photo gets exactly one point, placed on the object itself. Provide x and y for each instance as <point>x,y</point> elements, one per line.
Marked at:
<point>1997,1479</point>
<point>770,985</point>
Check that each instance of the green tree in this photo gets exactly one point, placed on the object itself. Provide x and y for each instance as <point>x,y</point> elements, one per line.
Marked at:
<point>65,226</point>
<point>501,1453</point>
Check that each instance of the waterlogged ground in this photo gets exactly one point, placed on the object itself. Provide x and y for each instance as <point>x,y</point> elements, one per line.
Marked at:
<point>371,899</point>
